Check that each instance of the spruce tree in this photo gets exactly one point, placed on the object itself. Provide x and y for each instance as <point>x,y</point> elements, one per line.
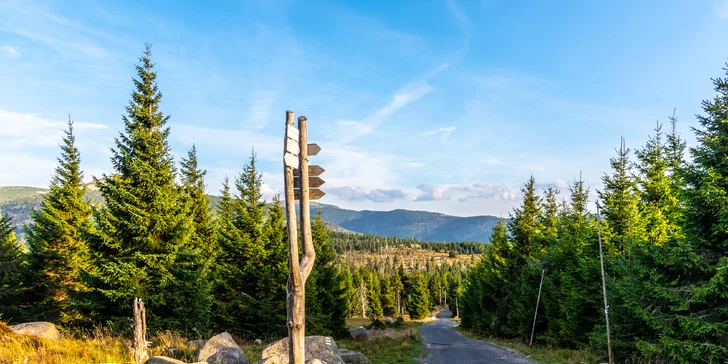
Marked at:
<point>693,321</point>
<point>12,271</point>
<point>57,251</point>
<point>193,183</point>
<point>387,295</point>
<point>326,304</point>
<point>374,303</point>
<point>620,199</point>
<point>143,242</point>
<point>418,297</point>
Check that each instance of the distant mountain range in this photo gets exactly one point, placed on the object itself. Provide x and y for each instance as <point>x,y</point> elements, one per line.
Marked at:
<point>422,225</point>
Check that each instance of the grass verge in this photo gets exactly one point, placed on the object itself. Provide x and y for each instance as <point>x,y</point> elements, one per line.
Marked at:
<point>100,347</point>
<point>541,354</point>
<point>388,346</point>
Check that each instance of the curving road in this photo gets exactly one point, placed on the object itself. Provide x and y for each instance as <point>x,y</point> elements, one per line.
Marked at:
<point>447,346</point>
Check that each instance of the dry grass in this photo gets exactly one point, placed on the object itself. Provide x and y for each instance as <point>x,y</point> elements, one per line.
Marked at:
<point>99,347</point>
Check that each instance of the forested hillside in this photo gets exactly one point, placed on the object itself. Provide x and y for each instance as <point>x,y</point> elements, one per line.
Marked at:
<point>662,225</point>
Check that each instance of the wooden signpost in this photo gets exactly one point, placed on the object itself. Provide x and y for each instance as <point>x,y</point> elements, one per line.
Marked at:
<point>302,183</point>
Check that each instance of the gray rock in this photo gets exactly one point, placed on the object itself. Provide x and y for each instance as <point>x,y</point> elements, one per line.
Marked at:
<point>353,357</point>
<point>222,349</point>
<point>389,320</point>
<point>41,329</point>
<point>359,333</point>
<point>163,360</point>
<point>319,349</point>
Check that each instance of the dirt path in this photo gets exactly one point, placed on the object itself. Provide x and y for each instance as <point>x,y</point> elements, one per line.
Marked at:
<point>447,346</point>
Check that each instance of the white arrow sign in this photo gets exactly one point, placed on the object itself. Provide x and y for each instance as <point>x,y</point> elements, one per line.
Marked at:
<point>290,160</point>
<point>292,133</point>
<point>292,147</point>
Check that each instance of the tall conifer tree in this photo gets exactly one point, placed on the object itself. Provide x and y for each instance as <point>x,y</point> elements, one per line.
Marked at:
<point>58,252</point>
<point>143,245</point>
<point>693,321</point>
<point>12,270</point>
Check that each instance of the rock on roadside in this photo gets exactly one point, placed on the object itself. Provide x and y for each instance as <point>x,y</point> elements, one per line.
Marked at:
<point>353,357</point>
<point>222,349</point>
<point>359,333</point>
<point>321,348</point>
<point>41,329</point>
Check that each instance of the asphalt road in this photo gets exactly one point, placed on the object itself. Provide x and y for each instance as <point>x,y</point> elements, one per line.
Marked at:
<point>447,346</point>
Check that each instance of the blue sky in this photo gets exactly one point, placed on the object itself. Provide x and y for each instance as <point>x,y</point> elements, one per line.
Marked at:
<point>444,106</point>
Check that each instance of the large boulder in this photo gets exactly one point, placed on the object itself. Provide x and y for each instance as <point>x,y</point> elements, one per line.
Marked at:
<point>388,320</point>
<point>359,333</point>
<point>353,357</point>
<point>321,348</point>
<point>222,349</point>
<point>41,329</point>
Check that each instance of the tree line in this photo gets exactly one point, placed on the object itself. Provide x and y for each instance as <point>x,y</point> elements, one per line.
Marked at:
<point>344,242</point>
<point>154,236</point>
<point>663,223</point>
<point>387,289</point>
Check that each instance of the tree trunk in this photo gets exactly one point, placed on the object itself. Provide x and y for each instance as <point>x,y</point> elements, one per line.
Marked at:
<point>140,332</point>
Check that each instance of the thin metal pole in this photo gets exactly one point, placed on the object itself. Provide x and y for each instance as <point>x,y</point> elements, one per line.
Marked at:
<point>533,329</point>
<point>604,288</point>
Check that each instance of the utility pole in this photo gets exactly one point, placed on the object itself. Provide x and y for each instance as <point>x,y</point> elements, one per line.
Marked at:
<point>604,287</point>
<point>295,155</point>
<point>535,314</point>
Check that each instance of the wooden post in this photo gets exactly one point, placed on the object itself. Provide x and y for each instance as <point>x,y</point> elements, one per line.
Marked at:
<point>604,288</point>
<point>299,271</point>
<point>535,314</point>
<point>457,307</point>
<point>140,332</point>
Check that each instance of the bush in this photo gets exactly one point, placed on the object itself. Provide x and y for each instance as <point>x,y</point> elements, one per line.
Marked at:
<point>399,322</point>
<point>376,324</point>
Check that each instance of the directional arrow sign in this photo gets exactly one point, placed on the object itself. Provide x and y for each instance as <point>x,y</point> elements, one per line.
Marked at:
<point>313,194</point>
<point>313,149</point>
<point>313,182</point>
<point>313,171</point>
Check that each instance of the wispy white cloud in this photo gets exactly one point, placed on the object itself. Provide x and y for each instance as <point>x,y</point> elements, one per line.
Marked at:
<point>443,131</point>
<point>9,52</point>
<point>260,109</point>
<point>464,193</point>
<point>21,130</point>
<point>359,194</point>
<point>348,130</point>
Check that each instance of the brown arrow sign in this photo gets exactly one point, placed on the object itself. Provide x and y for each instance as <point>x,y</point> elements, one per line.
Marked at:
<point>313,149</point>
<point>313,182</point>
<point>313,171</point>
<point>313,194</point>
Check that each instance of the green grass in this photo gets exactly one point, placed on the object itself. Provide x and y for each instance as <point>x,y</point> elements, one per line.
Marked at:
<point>541,354</point>
<point>388,346</point>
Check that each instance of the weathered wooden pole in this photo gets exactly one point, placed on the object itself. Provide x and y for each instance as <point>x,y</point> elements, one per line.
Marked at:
<point>140,332</point>
<point>604,287</point>
<point>296,143</point>
<point>535,314</point>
